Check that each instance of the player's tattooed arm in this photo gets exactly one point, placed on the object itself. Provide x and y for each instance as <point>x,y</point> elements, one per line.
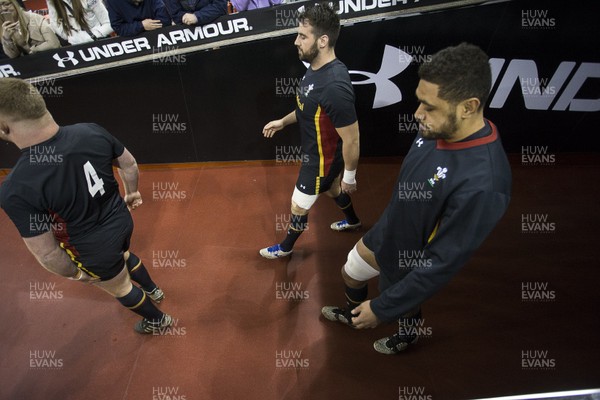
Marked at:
<point>128,170</point>
<point>48,253</point>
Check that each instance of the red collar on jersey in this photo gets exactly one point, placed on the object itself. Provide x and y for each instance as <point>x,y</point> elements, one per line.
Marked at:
<point>443,145</point>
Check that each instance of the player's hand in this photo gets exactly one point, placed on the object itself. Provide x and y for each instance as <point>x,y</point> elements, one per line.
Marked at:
<point>133,200</point>
<point>151,24</point>
<point>349,188</point>
<point>88,279</point>
<point>81,276</point>
<point>272,127</point>
<point>189,19</point>
<point>365,318</point>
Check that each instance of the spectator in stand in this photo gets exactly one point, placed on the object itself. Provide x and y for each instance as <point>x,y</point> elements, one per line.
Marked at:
<point>244,5</point>
<point>132,17</point>
<point>24,33</point>
<point>79,21</point>
<point>196,12</point>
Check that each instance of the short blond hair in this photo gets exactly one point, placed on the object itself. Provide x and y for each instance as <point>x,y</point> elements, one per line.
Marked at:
<point>20,100</point>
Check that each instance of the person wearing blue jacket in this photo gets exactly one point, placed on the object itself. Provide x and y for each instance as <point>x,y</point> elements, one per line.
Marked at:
<point>196,12</point>
<point>132,17</point>
<point>246,5</point>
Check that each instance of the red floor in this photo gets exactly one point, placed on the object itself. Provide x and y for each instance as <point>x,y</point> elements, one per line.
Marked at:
<point>238,337</point>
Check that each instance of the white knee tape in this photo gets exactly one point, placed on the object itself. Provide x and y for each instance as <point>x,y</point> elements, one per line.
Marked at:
<point>357,268</point>
<point>304,200</point>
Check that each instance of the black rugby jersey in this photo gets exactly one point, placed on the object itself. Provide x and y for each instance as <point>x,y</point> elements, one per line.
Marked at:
<point>447,199</point>
<point>325,101</point>
<point>65,184</point>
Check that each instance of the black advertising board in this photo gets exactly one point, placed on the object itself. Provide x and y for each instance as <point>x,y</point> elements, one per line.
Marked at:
<point>211,105</point>
<point>239,27</point>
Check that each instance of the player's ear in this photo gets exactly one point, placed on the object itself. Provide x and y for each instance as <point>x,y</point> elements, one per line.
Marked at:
<point>469,107</point>
<point>323,41</point>
<point>4,128</point>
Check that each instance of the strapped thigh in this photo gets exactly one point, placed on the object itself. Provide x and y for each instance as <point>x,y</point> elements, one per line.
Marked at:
<point>357,268</point>
<point>304,200</point>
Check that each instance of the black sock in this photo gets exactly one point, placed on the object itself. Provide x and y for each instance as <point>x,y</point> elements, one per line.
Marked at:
<point>408,325</point>
<point>297,226</point>
<point>139,273</point>
<point>139,303</point>
<point>344,202</point>
<point>356,296</point>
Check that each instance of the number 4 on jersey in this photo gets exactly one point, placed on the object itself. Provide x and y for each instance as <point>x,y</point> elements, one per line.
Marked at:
<point>94,183</point>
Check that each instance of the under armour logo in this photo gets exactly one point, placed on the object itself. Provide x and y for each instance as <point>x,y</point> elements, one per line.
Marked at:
<point>419,142</point>
<point>386,92</point>
<point>62,60</point>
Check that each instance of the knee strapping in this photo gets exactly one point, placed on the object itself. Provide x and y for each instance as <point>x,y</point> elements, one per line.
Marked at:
<point>357,268</point>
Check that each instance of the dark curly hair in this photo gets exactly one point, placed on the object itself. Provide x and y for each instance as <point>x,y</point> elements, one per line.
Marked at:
<point>324,21</point>
<point>461,72</point>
